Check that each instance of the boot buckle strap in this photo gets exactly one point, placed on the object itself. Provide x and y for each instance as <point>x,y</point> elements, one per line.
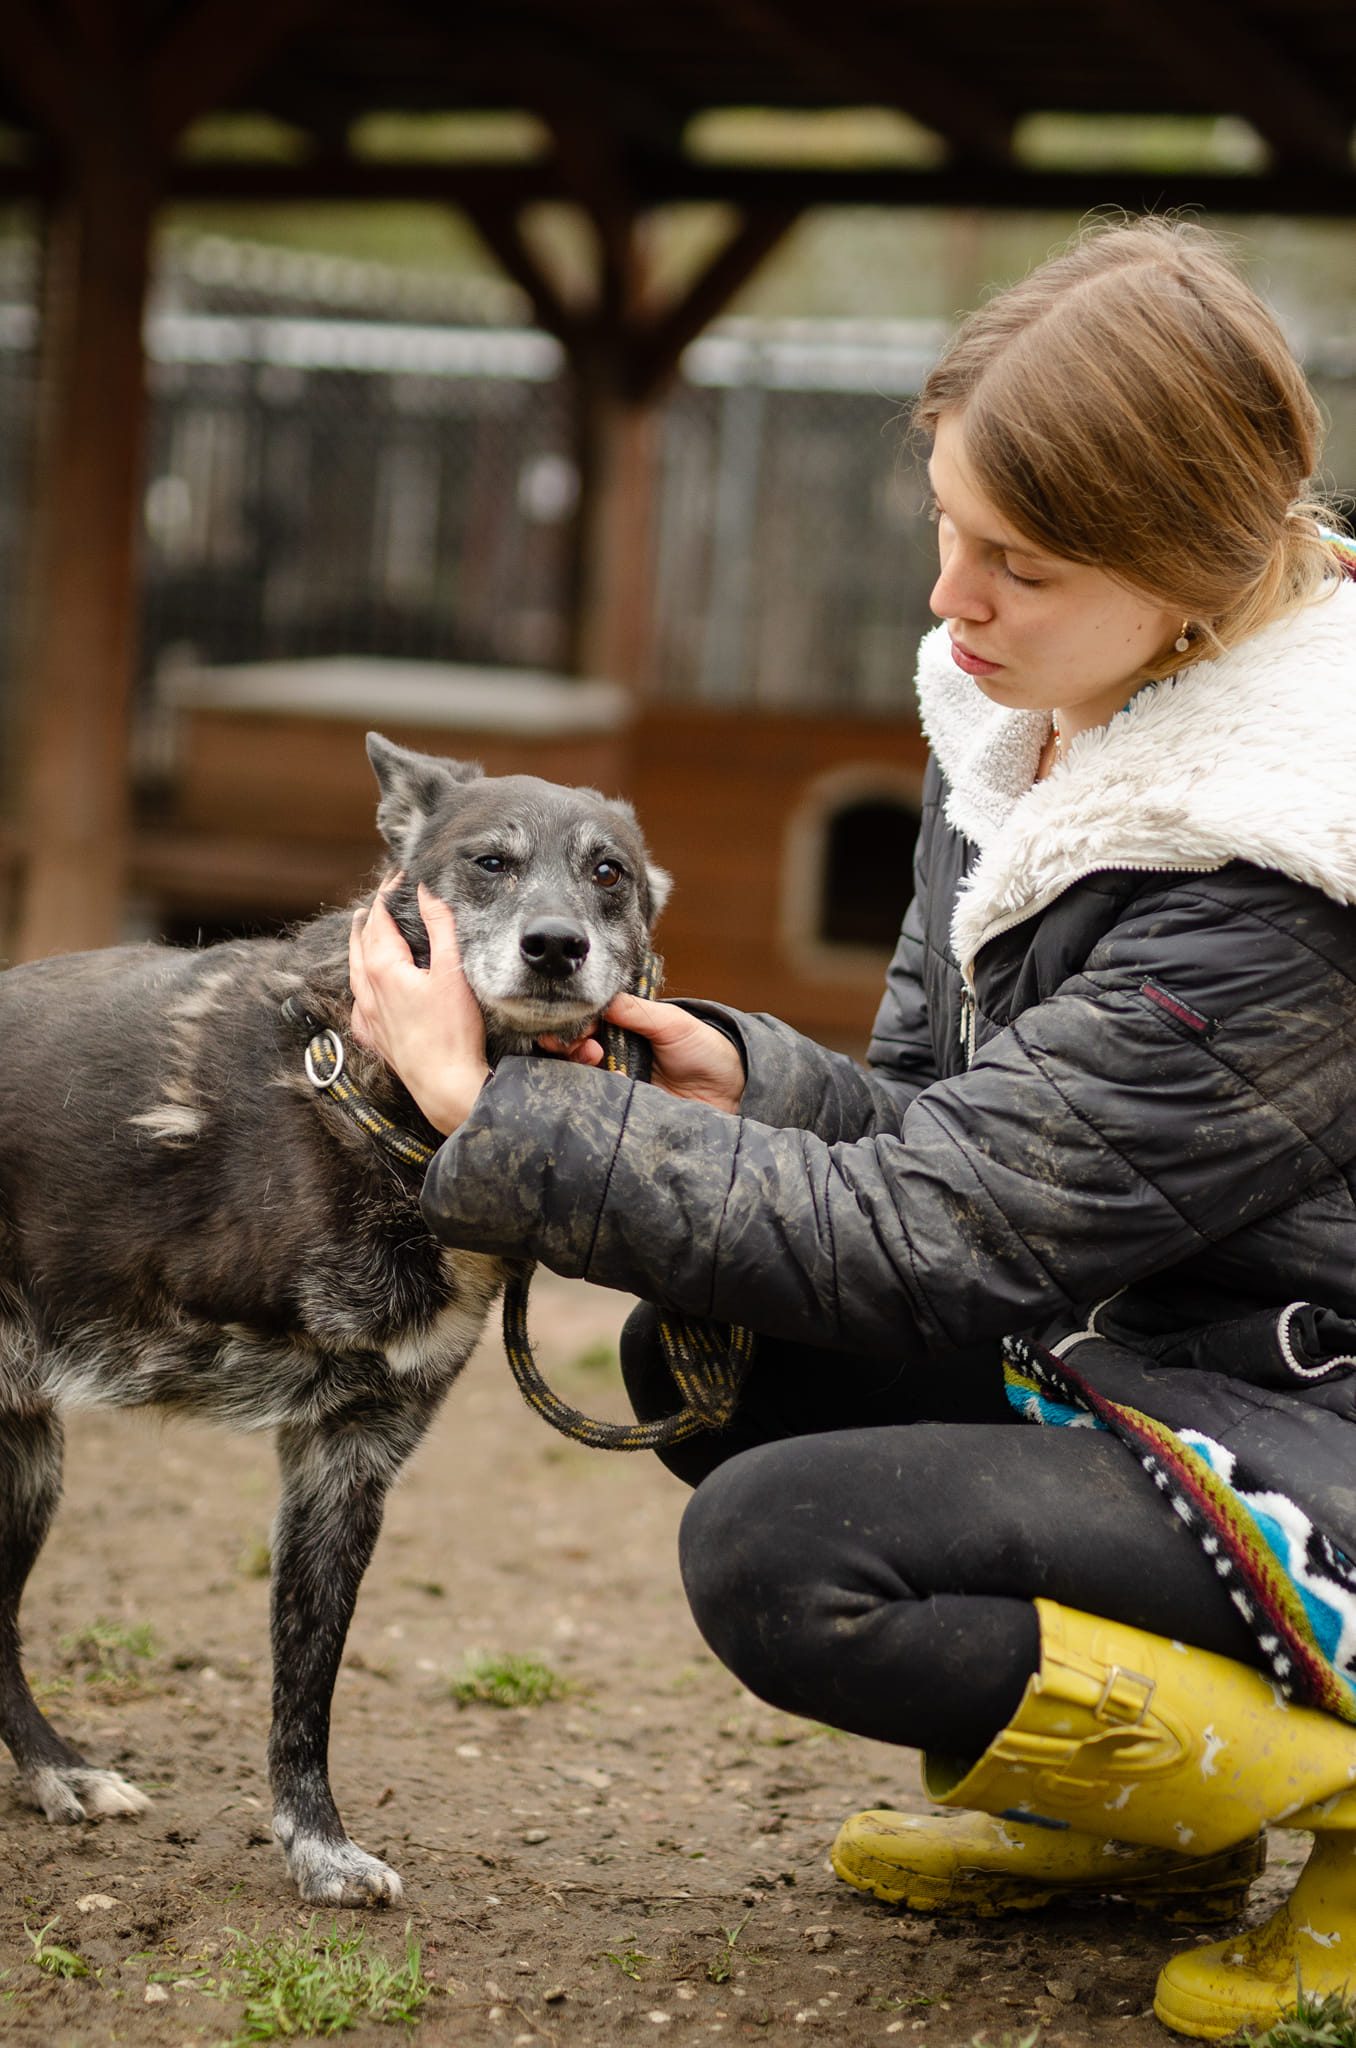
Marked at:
<point>1124,1698</point>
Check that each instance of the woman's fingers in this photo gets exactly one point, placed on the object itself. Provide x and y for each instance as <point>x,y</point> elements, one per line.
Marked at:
<point>661,1023</point>
<point>424,1022</point>
<point>691,1058</point>
<point>441,926</point>
<point>584,1051</point>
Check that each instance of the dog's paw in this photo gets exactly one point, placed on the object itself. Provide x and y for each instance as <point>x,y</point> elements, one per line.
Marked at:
<point>329,1873</point>
<point>72,1792</point>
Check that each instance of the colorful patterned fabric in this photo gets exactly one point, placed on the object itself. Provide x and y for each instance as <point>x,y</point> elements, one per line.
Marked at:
<point>1293,1585</point>
<point>1344,548</point>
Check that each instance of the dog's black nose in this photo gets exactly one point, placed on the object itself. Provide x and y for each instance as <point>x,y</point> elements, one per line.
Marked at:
<point>554,946</point>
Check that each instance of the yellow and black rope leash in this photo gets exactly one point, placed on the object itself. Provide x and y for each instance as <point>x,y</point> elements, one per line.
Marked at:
<point>324,1062</point>
<point>708,1361</point>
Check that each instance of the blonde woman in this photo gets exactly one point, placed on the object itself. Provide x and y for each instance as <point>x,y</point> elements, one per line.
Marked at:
<point>1104,1157</point>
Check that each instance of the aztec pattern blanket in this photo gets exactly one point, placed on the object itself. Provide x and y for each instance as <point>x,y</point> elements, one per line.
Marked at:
<point>1295,1586</point>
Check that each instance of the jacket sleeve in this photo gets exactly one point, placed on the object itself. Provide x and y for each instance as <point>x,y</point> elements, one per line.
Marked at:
<point>1160,1100</point>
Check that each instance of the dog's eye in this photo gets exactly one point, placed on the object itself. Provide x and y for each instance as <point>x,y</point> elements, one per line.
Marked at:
<point>491,863</point>
<point>608,873</point>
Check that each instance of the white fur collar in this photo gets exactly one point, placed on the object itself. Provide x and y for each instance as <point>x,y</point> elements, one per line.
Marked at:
<point>1249,757</point>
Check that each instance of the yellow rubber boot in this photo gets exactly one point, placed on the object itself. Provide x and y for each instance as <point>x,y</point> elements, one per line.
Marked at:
<point>1308,1945</point>
<point>1124,1733</point>
<point>974,1864</point>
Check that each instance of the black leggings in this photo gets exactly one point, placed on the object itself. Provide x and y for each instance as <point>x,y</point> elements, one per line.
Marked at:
<point>854,1560</point>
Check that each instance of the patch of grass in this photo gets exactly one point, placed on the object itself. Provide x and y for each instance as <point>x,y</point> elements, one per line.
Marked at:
<point>507,1681</point>
<point>1311,2023</point>
<point>630,1958</point>
<point>105,1652</point>
<point>256,1559</point>
<point>309,1984</point>
<point>719,1969</point>
<point>54,1960</point>
<point>601,1357</point>
<point>45,1690</point>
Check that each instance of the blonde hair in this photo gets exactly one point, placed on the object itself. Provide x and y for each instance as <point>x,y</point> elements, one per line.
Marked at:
<point>1134,405</point>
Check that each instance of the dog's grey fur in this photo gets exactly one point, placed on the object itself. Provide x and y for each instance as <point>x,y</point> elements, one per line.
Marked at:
<point>185,1223</point>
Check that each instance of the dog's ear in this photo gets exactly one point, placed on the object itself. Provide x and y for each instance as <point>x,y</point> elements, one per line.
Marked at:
<point>658,884</point>
<point>412,787</point>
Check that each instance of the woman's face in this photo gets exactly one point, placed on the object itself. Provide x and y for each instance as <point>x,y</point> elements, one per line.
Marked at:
<point>1037,633</point>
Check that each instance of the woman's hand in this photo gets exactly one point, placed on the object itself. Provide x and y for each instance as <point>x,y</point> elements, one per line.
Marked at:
<point>691,1058</point>
<point>424,1022</point>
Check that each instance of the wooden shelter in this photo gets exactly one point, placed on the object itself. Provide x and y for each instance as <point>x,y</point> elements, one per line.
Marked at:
<point>102,91</point>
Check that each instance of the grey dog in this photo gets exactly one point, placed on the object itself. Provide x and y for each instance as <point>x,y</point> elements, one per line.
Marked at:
<point>188,1222</point>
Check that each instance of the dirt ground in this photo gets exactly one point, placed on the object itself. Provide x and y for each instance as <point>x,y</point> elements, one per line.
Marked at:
<point>648,1851</point>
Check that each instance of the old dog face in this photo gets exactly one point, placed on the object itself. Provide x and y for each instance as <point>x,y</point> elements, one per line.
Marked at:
<point>551,888</point>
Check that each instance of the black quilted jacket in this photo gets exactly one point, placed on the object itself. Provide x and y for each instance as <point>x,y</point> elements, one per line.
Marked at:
<point>1145,1090</point>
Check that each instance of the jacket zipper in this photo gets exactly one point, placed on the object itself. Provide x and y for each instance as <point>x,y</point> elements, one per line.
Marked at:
<point>969,1022</point>
<point>967,1025</point>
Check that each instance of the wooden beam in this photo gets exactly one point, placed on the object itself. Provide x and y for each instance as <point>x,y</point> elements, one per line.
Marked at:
<point>656,347</point>
<point>548,68</point>
<point>1206,48</point>
<point>112,115</point>
<point>209,51</point>
<point>591,168</point>
<point>498,226</point>
<point>840,55</point>
<point>1289,190</point>
<point>32,57</point>
<point>81,587</point>
<point>355,179</point>
<point>614,625</point>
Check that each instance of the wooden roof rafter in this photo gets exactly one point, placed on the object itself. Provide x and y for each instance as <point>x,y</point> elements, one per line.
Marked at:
<point>551,69</point>
<point>90,71</point>
<point>844,56</point>
<point>1241,68</point>
<point>620,335</point>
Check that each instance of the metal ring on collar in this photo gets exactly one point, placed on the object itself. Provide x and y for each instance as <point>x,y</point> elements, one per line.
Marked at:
<point>334,1046</point>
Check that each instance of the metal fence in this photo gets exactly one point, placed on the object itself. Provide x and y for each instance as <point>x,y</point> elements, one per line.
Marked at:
<point>347,460</point>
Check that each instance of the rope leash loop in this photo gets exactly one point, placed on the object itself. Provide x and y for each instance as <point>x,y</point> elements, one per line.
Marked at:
<point>708,1361</point>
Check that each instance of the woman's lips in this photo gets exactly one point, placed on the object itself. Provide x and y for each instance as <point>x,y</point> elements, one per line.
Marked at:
<point>973,664</point>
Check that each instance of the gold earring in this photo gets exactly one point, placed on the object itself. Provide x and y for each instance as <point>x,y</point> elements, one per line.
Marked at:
<point>1183,640</point>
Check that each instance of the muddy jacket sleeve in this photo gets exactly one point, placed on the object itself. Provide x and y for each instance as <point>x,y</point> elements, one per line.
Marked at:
<point>1104,1136</point>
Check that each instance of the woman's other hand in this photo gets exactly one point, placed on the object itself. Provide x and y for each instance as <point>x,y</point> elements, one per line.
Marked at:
<point>424,1022</point>
<point>691,1058</point>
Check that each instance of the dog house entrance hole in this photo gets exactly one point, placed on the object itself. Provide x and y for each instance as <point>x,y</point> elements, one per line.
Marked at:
<point>868,872</point>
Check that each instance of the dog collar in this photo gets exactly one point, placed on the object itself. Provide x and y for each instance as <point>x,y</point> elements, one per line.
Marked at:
<point>323,1060</point>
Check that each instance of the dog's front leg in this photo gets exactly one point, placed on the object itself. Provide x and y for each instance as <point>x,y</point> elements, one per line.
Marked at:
<point>335,1478</point>
<point>52,1775</point>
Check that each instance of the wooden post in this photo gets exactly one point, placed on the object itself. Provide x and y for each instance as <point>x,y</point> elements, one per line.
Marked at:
<point>110,101</point>
<point>622,350</point>
<point>612,612</point>
<point>80,630</point>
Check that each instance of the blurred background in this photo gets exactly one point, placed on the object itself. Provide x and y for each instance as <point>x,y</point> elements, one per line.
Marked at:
<point>531,381</point>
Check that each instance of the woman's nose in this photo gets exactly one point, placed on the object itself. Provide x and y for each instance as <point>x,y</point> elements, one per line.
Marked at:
<point>959,592</point>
